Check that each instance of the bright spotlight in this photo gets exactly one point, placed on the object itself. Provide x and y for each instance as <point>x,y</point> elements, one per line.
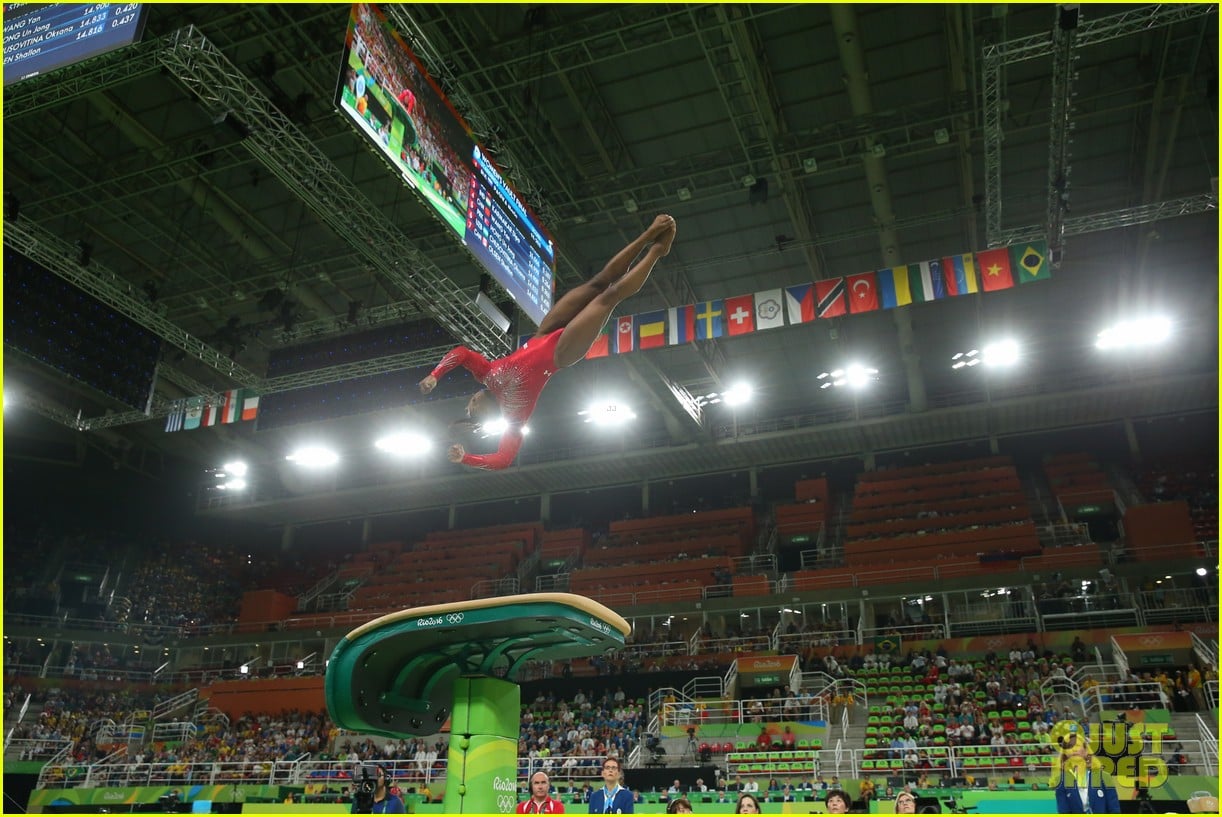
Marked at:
<point>854,376</point>
<point>245,669</point>
<point>857,376</point>
<point>236,485</point>
<point>608,413</point>
<point>237,468</point>
<point>1201,571</point>
<point>494,428</point>
<point>738,394</point>
<point>313,457</point>
<point>1143,332</point>
<point>1002,353</point>
<point>404,444</point>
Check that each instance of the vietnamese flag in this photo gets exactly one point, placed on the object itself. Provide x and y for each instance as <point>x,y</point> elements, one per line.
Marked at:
<point>993,267</point>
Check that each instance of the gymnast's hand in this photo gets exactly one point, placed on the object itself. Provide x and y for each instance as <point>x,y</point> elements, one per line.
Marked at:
<point>428,384</point>
<point>456,453</point>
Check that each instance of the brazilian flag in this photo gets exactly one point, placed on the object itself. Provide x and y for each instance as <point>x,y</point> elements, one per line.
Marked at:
<point>887,643</point>
<point>1029,261</point>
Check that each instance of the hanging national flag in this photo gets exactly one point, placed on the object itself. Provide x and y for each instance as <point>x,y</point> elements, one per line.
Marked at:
<point>937,278</point>
<point>963,267</point>
<point>920,282</point>
<point>601,347</point>
<point>212,412</point>
<point>768,312</point>
<point>623,334</point>
<point>195,410</point>
<point>800,303</point>
<point>740,315</point>
<point>651,329</point>
<point>829,297</point>
<point>681,324</point>
<point>231,406</point>
<point>863,292</point>
<point>250,405</point>
<point>1030,261</point>
<point>994,268</point>
<point>173,420</point>
<point>709,321</point>
<point>893,287</point>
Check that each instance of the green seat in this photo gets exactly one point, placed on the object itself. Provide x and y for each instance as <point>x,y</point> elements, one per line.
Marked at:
<point>867,765</point>
<point>871,731</point>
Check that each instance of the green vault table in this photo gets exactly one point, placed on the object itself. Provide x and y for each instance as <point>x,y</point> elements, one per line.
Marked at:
<point>407,672</point>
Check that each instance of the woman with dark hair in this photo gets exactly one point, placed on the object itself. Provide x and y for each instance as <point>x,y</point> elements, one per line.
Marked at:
<point>747,804</point>
<point>514,383</point>
<point>838,801</point>
<point>680,805</point>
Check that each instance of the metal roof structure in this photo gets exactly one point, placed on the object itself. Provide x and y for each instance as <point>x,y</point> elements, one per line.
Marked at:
<point>209,161</point>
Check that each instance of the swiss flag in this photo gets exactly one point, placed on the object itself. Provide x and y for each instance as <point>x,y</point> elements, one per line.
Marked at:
<point>624,334</point>
<point>740,314</point>
<point>863,292</point>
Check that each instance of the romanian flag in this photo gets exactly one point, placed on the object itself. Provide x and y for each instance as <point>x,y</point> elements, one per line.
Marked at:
<point>651,330</point>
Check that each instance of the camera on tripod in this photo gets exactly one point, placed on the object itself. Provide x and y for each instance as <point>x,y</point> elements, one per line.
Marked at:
<point>656,750</point>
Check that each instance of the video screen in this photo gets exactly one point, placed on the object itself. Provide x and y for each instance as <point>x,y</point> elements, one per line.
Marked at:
<point>393,101</point>
<point>40,37</point>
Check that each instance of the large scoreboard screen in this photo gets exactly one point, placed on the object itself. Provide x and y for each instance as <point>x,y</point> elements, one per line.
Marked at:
<point>40,37</point>
<point>395,104</point>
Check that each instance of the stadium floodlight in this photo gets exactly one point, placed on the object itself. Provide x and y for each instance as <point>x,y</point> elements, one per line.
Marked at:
<point>1142,333</point>
<point>855,376</point>
<point>495,428</point>
<point>738,394</point>
<point>237,468</point>
<point>608,413</point>
<point>735,396</point>
<point>997,355</point>
<point>313,456</point>
<point>404,444</point>
<point>1201,571</point>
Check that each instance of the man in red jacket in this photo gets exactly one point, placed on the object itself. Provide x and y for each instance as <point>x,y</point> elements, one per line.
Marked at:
<point>540,802</point>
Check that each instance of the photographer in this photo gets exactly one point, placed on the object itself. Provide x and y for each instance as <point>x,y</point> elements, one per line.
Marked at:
<point>372,793</point>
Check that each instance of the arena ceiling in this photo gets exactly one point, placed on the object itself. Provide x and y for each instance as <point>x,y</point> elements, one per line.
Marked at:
<point>887,134</point>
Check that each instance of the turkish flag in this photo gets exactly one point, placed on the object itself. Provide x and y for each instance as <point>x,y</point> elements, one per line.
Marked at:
<point>863,292</point>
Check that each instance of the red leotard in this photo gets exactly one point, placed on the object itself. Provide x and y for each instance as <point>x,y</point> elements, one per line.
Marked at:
<point>516,381</point>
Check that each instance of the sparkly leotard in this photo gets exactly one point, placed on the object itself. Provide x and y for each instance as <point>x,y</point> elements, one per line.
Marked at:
<point>516,381</point>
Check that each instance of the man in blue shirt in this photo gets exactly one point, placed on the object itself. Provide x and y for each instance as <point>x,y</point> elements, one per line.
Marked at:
<point>612,798</point>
